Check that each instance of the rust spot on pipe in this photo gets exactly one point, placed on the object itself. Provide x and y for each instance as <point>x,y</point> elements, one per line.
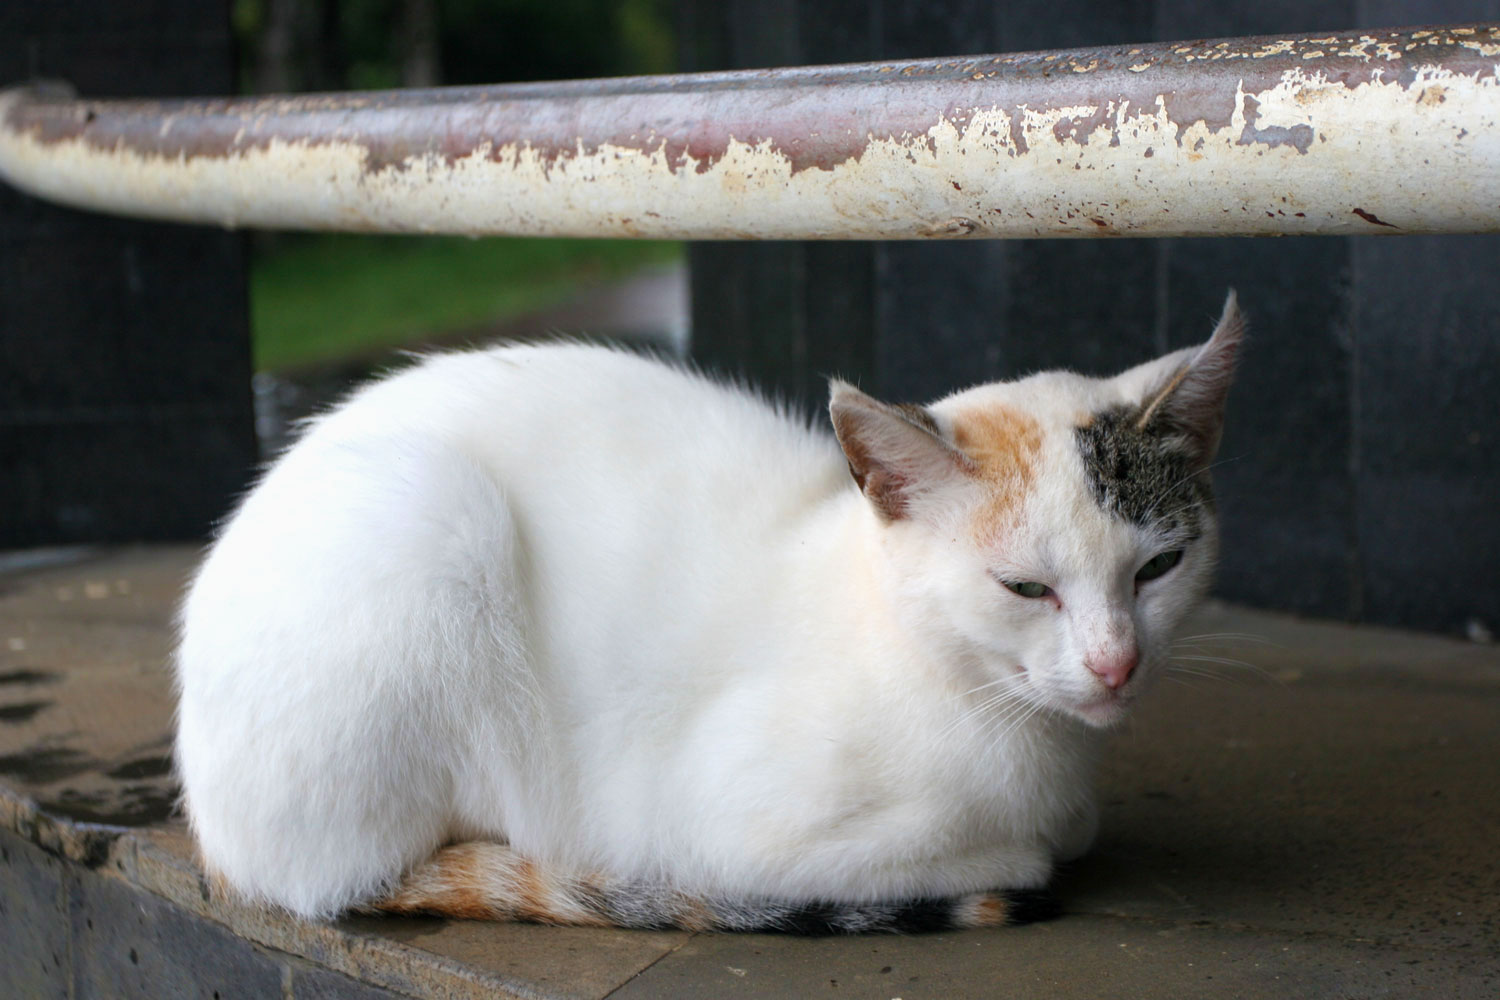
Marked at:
<point>1299,137</point>
<point>1078,129</point>
<point>957,226</point>
<point>1187,106</point>
<point>1018,132</point>
<point>1372,220</point>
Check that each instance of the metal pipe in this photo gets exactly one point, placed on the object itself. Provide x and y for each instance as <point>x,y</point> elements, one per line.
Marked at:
<point>1364,132</point>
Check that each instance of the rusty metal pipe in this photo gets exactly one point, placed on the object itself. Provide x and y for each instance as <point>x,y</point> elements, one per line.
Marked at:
<point>1370,132</point>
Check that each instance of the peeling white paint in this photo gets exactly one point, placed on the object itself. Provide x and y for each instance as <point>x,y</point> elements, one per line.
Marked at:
<point>1412,158</point>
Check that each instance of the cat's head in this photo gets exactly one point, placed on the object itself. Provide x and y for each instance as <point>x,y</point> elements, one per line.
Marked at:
<point>1048,535</point>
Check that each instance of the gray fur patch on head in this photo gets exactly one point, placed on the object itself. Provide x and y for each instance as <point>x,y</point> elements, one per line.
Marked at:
<point>1147,475</point>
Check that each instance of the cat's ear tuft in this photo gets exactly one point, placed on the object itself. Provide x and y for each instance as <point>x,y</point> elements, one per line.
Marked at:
<point>896,454</point>
<point>1191,401</point>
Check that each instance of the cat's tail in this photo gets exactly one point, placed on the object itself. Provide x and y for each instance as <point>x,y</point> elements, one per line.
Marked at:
<point>488,881</point>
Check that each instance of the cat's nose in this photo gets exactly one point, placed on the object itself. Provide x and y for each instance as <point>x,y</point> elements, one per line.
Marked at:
<point>1114,667</point>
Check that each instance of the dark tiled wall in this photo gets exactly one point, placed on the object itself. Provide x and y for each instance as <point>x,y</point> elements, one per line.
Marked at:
<point>1358,466</point>
<point>1426,386</point>
<point>124,346</point>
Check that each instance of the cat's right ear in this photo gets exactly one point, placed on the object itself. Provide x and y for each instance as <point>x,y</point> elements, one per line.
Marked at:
<point>1191,401</point>
<point>897,454</point>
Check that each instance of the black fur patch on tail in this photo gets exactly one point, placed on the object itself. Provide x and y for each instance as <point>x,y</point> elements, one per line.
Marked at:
<point>918,916</point>
<point>1031,906</point>
<point>914,916</point>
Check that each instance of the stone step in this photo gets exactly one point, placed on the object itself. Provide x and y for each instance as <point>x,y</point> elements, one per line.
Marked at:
<point>1318,822</point>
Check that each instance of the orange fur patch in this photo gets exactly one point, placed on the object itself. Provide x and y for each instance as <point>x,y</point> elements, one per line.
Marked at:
<point>532,895</point>
<point>990,911</point>
<point>447,884</point>
<point>485,881</point>
<point>1005,445</point>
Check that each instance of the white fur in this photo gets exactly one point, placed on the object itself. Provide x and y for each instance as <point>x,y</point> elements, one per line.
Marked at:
<point>636,622</point>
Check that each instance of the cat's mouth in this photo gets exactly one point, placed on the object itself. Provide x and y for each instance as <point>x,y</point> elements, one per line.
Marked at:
<point>1104,710</point>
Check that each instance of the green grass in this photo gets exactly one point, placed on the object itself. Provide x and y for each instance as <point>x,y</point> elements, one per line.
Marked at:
<point>321,298</point>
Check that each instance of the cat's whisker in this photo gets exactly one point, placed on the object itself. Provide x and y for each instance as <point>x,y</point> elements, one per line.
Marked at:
<point>1185,683</point>
<point>1199,472</point>
<point>1178,668</point>
<point>998,703</point>
<point>1205,667</point>
<point>1008,687</point>
<point>1003,717</point>
<point>1152,513</point>
<point>1225,660</point>
<point>1169,491</point>
<point>1016,724</point>
<point>1208,647</point>
<point>958,722</point>
<point>1004,698</point>
<point>1230,662</point>
<point>1226,635</point>
<point>1221,462</point>
<point>1250,637</point>
<point>1200,649</point>
<point>1206,675</point>
<point>1020,709</point>
<point>1011,680</point>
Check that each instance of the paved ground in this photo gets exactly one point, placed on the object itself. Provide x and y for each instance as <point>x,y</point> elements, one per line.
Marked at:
<point>1322,825</point>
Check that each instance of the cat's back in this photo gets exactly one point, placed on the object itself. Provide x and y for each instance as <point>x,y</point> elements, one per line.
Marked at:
<point>606,462</point>
<point>594,485</point>
<point>551,405</point>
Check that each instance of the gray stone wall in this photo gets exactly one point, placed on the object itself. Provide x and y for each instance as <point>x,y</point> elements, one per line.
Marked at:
<point>73,932</point>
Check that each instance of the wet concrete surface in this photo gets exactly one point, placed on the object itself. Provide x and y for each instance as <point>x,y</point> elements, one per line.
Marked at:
<point>84,699</point>
<point>1314,819</point>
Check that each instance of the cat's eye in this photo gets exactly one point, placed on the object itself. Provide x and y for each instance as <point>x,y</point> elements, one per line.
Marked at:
<point>1158,565</point>
<point>1028,588</point>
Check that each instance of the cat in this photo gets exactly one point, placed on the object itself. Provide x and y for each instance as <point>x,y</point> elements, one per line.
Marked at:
<point>565,634</point>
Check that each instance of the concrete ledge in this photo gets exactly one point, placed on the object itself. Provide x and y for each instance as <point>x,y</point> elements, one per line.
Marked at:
<point>1321,825</point>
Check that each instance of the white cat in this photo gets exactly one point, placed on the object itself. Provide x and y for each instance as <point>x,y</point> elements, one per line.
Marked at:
<point>636,647</point>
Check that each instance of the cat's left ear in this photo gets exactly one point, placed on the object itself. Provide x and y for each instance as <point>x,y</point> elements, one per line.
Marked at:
<point>897,454</point>
<point>1190,399</point>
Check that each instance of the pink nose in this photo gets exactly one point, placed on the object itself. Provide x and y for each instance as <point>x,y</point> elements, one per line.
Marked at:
<point>1114,669</point>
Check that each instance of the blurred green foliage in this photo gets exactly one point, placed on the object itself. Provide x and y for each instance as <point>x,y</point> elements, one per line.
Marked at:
<point>327,297</point>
